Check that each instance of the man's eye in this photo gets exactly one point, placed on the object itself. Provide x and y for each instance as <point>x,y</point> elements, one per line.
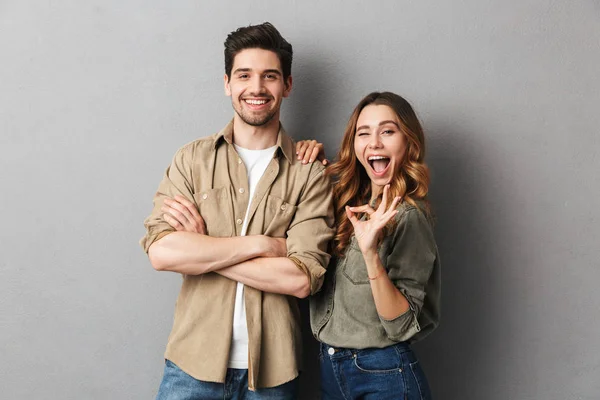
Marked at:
<point>270,76</point>
<point>243,76</point>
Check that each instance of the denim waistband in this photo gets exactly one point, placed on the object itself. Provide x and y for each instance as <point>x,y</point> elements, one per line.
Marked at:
<point>341,352</point>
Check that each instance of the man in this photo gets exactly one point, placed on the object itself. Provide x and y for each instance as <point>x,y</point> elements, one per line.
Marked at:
<point>236,328</point>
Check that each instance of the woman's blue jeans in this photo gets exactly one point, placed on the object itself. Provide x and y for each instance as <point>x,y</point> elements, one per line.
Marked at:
<point>372,374</point>
<point>177,385</point>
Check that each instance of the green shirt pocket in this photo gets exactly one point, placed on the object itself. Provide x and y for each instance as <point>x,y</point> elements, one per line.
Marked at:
<point>354,267</point>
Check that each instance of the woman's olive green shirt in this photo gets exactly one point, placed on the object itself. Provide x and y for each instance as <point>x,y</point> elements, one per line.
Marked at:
<point>343,313</point>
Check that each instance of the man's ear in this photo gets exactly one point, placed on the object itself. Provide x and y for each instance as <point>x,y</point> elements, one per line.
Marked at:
<point>226,85</point>
<point>288,86</point>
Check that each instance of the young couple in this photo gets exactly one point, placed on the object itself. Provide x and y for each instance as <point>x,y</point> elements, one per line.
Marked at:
<point>251,226</point>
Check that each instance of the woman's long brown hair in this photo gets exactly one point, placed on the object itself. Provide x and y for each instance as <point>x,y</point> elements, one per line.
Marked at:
<point>352,185</point>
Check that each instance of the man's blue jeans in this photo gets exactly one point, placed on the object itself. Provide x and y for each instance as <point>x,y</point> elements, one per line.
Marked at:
<point>177,385</point>
<point>372,374</point>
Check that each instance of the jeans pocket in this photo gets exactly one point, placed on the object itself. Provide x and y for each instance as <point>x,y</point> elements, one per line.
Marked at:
<point>420,380</point>
<point>378,361</point>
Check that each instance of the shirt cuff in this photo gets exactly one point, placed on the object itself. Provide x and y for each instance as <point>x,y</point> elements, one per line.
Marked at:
<point>315,275</point>
<point>404,326</point>
<point>147,240</point>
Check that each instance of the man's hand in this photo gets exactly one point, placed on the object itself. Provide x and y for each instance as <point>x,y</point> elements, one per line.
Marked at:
<point>274,247</point>
<point>182,215</point>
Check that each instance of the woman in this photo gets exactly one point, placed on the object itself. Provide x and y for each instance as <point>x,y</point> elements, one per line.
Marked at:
<point>381,292</point>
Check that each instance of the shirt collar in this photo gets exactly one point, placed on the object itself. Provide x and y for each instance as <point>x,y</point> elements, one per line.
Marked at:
<point>284,143</point>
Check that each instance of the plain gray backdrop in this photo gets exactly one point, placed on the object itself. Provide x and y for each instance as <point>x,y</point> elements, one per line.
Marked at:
<point>96,96</point>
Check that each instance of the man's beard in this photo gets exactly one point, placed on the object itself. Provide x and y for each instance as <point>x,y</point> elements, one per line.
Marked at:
<point>255,120</point>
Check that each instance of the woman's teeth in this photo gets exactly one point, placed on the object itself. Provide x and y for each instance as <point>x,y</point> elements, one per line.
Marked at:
<point>379,163</point>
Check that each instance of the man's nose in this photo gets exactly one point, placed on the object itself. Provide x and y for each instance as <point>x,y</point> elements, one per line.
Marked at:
<point>256,85</point>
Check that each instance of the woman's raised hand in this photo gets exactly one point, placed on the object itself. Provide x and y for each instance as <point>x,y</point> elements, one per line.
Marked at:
<point>369,231</point>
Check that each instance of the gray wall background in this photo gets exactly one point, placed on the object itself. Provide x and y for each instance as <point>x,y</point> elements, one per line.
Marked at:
<point>96,96</point>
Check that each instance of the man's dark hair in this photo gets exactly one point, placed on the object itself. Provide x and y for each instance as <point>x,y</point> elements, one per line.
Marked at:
<point>264,36</point>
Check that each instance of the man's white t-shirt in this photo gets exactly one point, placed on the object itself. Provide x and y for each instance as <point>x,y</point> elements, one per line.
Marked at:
<point>256,162</point>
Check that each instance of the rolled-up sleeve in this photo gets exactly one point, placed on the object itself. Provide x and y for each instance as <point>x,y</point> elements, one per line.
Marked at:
<point>177,180</point>
<point>410,265</point>
<point>312,228</point>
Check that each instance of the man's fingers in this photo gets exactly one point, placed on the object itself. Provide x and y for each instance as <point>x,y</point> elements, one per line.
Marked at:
<point>174,214</point>
<point>172,221</point>
<point>201,225</point>
<point>181,208</point>
<point>190,206</point>
<point>185,213</point>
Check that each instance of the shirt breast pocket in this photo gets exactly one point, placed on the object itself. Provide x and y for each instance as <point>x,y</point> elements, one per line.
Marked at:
<point>354,267</point>
<point>278,216</point>
<point>216,210</point>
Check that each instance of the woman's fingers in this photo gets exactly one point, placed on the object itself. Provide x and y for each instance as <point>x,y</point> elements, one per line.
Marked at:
<point>304,149</point>
<point>301,147</point>
<point>310,149</point>
<point>315,152</point>
<point>362,209</point>
<point>394,203</point>
<point>383,205</point>
<point>351,216</point>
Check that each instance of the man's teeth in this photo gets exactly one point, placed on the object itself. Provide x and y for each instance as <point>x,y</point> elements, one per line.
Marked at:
<point>256,102</point>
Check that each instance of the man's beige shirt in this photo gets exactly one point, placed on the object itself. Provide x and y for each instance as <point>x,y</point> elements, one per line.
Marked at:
<point>291,201</point>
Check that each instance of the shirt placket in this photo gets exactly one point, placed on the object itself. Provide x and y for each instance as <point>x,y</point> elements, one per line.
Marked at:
<point>253,297</point>
<point>240,190</point>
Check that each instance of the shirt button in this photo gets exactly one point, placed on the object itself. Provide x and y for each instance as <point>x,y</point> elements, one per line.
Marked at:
<point>239,221</point>
<point>204,196</point>
<point>331,351</point>
<point>242,190</point>
<point>283,207</point>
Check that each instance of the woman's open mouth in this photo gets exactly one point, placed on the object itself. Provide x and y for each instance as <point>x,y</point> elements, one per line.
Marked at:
<point>379,164</point>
